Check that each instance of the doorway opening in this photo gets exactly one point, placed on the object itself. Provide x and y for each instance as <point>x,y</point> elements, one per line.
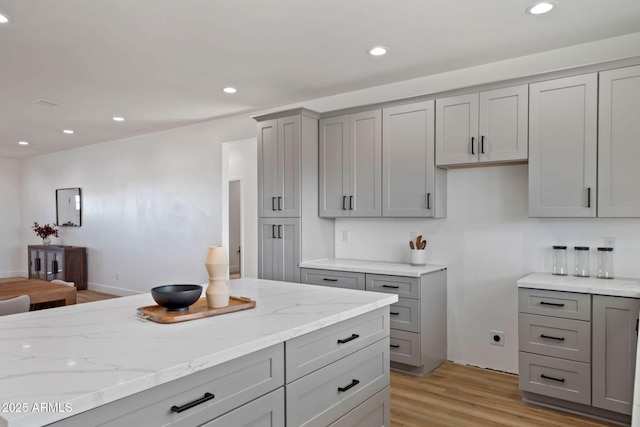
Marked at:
<point>235,229</point>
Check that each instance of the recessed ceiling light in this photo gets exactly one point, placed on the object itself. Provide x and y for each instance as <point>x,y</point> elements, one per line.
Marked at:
<point>67,131</point>
<point>541,7</point>
<point>3,19</point>
<point>23,143</point>
<point>378,51</point>
<point>229,90</point>
<point>118,119</point>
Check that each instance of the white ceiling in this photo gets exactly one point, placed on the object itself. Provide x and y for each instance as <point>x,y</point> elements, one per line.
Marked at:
<point>162,63</point>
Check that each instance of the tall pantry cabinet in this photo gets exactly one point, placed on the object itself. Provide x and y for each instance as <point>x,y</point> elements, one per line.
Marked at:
<point>288,195</point>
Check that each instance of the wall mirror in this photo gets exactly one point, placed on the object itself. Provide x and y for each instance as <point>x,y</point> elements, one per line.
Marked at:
<point>68,207</point>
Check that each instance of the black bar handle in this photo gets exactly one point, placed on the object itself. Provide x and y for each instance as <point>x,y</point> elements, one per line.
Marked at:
<point>389,286</point>
<point>273,204</point>
<point>551,338</point>
<point>279,232</point>
<point>394,313</point>
<point>560,380</point>
<point>473,151</point>
<point>354,383</point>
<point>428,200</point>
<point>351,338</point>
<point>38,264</point>
<point>344,201</point>
<point>637,321</point>
<point>279,203</point>
<point>589,197</point>
<point>555,304</point>
<point>350,203</point>
<point>55,266</point>
<point>394,345</point>
<point>482,144</point>
<point>273,231</point>
<point>329,280</point>
<point>205,398</point>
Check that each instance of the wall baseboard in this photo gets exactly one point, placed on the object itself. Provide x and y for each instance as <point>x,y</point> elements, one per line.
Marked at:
<point>113,290</point>
<point>7,274</point>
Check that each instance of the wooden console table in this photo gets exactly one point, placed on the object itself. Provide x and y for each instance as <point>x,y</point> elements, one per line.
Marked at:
<point>40,291</point>
<point>68,263</point>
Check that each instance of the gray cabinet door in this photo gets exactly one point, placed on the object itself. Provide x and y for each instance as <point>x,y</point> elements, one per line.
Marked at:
<point>289,146</point>
<point>279,249</point>
<point>562,147</point>
<point>408,186</point>
<point>365,164</point>
<point>457,130</point>
<point>37,264</point>
<point>334,167</point>
<point>615,338</point>
<point>267,168</point>
<point>618,148</point>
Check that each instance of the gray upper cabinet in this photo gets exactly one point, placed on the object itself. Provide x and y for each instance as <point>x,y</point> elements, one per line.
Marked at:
<point>279,246</point>
<point>412,186</point>
<point>350,155</point>
<point>615,338</point>
<point>618,148</point>
<point>279,167</point>
<point>563,147</point>
<point>485,127</point>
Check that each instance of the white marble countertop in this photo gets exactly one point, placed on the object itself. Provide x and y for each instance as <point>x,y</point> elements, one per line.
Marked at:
<point>587,285</point>
<point>87,355</point>
<point>374,267</point>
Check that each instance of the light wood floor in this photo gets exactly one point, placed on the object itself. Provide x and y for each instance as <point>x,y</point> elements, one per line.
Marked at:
<point>456,395</point>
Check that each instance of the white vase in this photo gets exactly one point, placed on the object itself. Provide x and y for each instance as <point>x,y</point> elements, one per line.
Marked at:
<point>418,257</point>
<point>46,241</point>
<point>217,264</point>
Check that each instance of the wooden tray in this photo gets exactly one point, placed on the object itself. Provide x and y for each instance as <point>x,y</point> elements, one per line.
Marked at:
<point>199,310</point>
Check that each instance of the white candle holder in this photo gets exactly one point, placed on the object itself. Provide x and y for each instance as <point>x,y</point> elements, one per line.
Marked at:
<point>217,264</point>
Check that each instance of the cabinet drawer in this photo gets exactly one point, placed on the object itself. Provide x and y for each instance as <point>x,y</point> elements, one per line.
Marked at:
<point>405,287</point>
<point>338,279</point>
<point>559,378</point>
<point>232,384</point>
<point>405,347</point>
<point>329,393</point>
<point>554,336</point>
<point>267,411</point>
<point>569,305</point>
<point>405,315</point>
<point>375,412</point>
<point>317,349</point>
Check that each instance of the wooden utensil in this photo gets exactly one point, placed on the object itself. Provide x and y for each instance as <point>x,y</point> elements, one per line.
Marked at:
<point>411,245</point>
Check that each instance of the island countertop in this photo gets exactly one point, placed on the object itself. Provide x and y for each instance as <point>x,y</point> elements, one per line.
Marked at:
<point>76,358</point>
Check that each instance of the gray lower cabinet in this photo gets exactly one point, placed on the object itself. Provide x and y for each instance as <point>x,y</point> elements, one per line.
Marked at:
<point>578,351</point>
<point>266,411</point>
<point>418,321</point>
<point>279,249</point>
<point>374,412</point>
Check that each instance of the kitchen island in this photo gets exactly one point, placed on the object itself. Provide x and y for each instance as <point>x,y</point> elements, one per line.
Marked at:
<point>101,361</point>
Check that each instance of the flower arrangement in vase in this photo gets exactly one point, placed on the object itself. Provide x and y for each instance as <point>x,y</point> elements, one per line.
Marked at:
<point>44,231</point>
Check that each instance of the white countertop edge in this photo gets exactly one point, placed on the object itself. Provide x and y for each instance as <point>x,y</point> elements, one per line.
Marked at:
<point>622,287</point>
<point>372,267</point>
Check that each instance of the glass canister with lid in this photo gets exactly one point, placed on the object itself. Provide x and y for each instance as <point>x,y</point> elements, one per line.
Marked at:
<point>559,261</point>
<point>605,263</point>
<point>582,261</point>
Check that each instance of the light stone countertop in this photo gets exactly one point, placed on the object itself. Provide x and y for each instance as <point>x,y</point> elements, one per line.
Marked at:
<point>374,267</point>
<point>587,285</point>
<point>87,355</point>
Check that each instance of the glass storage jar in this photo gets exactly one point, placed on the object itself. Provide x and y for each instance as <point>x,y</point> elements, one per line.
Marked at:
<point>582,261</point>
<point>559,261</point>
<point>605,263</point>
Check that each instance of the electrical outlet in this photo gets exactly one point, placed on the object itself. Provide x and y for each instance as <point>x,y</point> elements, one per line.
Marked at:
<point>610,242</point>
<point>496,338</point>
<point>346,237</point>
<point>117,276</point>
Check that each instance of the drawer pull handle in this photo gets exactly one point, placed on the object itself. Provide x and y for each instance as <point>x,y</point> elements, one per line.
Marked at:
<point>354,383</point>
<point>330,280</point>
<point>394,313</point>
<point>273,204</point>
<point>560,380</point>
<point>555,304</point>
<point>551,338</point>
<point>394,345</point>
<point>351,338</point>
<point>279,203</point>
<point>389,286</point>
<point>205,398</point>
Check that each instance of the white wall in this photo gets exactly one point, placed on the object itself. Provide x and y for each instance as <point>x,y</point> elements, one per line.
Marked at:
<point>10,199</point>
<point>487,243</point>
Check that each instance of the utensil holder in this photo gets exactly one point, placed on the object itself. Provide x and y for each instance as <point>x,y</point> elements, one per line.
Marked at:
<point>418,257</point>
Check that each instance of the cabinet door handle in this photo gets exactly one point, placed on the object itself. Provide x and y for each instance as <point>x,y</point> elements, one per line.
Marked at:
<point>205,398</point>
<point>473,151</point>
<point>279,232</point>
<point>551,338</point>
<point>330,280</point>
<point>273,204</point>
<point>428,200</point>
<point>344,203</point>
<point>354,383</point>
<point>555,304</point>
<point>394,345</point>
<point>389,286</point>
<point>589,197</point>
<point>482,144</point>
<point>350,203</point>
<point>560,380</point>
<point>637,321</point>
<point>346,340</point>
<point>273,231</point>
<point>279,203</point>
<point>394,313</point>
<point>37,264</point>
<point>55,267</point>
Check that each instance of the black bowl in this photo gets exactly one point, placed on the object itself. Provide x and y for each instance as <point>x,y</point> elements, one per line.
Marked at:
<point>176,297</point>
